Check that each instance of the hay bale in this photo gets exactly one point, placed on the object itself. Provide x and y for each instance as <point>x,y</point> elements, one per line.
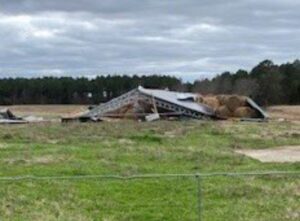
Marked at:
<point>199,98</point>
<point>222,98</point>
<point>233,102</point>
<point>223,112</point>
<point>242,100</point>
<point>212,102</point>
<point>245,112</point>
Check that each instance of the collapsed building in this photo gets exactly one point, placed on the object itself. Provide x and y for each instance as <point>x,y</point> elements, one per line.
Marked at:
<point>153,104</point>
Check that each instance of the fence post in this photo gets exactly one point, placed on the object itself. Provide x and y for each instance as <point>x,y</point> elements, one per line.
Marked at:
<point>199,197</point>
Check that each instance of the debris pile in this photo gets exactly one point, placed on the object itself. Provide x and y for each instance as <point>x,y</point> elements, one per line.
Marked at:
<point>152,104</point>
<point>7,117</point>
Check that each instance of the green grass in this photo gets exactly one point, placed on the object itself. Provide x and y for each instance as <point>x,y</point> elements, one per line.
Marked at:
<point>130,148</point>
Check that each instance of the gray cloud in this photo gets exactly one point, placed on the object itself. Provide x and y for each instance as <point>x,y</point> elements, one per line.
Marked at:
<point>190,39</point>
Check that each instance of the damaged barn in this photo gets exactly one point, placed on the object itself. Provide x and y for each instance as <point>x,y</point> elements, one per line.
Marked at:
<point>152,104</point>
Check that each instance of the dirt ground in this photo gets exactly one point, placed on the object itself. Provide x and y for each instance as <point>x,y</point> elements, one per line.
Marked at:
<point>291,113</point>
<point>46,111</point>
<point>280,154</point>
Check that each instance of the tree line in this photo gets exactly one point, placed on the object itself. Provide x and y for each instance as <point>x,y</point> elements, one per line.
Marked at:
<point>68,90</point>
<point>267,83</point>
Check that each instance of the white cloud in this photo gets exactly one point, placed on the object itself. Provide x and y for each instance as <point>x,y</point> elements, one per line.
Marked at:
<point>202,27</point>
<point>160,39</point>
<point>43,33</point>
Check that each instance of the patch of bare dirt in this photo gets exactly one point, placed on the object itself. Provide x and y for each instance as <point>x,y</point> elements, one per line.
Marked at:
<point>280,154</point>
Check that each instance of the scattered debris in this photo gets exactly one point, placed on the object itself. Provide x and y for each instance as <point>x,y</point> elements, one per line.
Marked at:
<point>152,117</point>
<point>152,104</point>
<point>7,117</point>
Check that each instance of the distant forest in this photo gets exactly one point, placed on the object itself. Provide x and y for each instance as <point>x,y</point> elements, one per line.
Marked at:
<point>267,83</point>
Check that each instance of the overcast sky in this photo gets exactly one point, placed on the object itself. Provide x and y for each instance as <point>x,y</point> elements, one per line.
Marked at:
<point>187,38</point>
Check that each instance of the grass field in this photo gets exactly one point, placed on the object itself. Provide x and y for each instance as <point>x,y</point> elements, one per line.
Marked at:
<point>129,148</point>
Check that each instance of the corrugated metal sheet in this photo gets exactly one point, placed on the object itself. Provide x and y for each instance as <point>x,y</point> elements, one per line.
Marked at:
<point>256,107</point>
<point>176,98</point>
<point>7,117</point>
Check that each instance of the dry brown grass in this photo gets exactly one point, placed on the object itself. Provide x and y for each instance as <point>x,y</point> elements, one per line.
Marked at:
<point>47,111</point>
<point>287,112</point>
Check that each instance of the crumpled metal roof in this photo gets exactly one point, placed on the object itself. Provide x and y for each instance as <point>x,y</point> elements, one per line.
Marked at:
<point>178,99</point>
<point>185,102</point>
<point>256,107</point>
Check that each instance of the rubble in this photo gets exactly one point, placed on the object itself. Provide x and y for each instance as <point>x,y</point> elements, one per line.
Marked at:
<point>7,117</point>
<point>153,104</point>
<point>152,117</point>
